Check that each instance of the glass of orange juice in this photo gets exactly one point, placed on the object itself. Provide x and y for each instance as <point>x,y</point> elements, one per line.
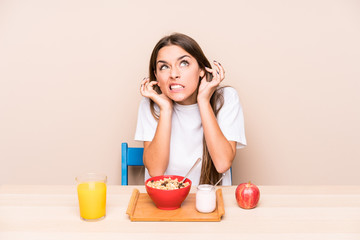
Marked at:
<point>91,188</point>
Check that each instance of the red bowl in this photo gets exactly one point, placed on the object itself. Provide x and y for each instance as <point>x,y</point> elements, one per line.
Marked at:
<point>168,199</point>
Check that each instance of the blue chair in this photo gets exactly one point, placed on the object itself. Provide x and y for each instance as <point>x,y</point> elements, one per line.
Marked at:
<point>130,156</point>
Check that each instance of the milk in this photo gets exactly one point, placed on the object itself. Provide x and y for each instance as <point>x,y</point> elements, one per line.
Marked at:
<point>205,198</point>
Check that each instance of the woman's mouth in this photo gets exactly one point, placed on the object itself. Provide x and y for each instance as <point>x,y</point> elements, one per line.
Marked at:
<point>176,87</point>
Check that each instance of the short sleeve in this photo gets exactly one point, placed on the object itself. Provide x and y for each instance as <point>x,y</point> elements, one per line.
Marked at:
<point>146,123</point>
<point>231,118</point>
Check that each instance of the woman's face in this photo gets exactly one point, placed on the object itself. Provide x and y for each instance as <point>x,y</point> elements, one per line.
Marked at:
<point>177,73</point>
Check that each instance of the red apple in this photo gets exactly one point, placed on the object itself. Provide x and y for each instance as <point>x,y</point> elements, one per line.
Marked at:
<point>247,195</point>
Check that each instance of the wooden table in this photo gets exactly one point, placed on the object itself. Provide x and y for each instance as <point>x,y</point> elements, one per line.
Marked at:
<point>284,212</point>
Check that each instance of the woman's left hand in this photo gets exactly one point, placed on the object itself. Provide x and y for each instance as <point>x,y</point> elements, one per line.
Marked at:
<point>206,89</point>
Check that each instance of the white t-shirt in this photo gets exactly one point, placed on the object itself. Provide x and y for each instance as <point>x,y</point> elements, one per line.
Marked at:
<point>186,143</point>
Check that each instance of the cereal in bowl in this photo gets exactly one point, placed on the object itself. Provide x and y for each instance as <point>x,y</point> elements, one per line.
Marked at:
<point>167,184</point>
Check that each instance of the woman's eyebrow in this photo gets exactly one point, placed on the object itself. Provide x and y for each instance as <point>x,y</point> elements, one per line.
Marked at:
<point>183,57</point>
<point>179,58</point>
<point>161,61</point>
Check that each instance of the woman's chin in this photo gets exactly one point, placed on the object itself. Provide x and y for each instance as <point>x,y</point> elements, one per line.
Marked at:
<point>182,98</point>
<point>184,101</point>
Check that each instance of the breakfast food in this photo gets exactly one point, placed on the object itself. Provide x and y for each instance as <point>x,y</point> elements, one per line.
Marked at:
<point>167,184</point>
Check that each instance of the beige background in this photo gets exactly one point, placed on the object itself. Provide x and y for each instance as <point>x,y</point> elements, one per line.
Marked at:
<point>70,73</point>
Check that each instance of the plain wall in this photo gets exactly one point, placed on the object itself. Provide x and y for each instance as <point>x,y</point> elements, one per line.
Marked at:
<point>70,74</point>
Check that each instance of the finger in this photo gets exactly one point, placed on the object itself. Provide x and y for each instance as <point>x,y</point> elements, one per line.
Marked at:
<point>148,88</point>
<point>151,84</point>
<point>221,70</point>
<point>217,71</point>
<point>142,86</point>
<point>213,71</point>
<point>147,85</point>
<point>146,79</point>
<point>210,70</point>
<point>143,82</point>
<point>219,65</point>
<point>142,89</point>
<point>215,75</point>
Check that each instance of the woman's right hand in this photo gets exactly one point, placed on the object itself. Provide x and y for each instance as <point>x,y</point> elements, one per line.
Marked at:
<point>147,90</point>
<point>157,151</point>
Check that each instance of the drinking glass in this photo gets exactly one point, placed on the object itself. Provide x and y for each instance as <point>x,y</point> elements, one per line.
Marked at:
<point>205,198</point>
<point>91,188</point>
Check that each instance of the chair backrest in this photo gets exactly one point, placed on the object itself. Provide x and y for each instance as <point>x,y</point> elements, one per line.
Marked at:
<point>130,156</point>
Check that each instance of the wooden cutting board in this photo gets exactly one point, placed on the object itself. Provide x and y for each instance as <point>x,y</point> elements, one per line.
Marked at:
<point>142,208</point>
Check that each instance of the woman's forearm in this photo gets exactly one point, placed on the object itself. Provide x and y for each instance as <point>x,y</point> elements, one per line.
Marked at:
<point>156,152</point>
<point>221,150</point>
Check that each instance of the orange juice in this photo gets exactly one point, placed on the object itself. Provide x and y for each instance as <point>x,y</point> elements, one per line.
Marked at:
<point>92,200</point>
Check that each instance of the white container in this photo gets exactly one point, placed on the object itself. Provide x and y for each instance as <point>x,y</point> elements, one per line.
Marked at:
<point>205,198</point>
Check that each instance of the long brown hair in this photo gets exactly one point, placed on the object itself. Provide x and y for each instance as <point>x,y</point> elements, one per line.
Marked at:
<point>209,174</point>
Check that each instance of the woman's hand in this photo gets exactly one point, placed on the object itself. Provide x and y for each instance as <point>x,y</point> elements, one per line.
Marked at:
<point>222,151</point>
<point>147,90</point>
<point>206,89</point>
<point>157,151</point>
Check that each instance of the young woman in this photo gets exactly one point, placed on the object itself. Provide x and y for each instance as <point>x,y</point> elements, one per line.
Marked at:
<point>185,114</point>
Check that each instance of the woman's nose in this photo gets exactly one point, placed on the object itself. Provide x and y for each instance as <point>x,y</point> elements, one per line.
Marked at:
<point>175,73</point>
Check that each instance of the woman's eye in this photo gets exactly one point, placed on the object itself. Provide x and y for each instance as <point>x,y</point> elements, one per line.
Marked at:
<point>163,67</point>
<point>184,63</point>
